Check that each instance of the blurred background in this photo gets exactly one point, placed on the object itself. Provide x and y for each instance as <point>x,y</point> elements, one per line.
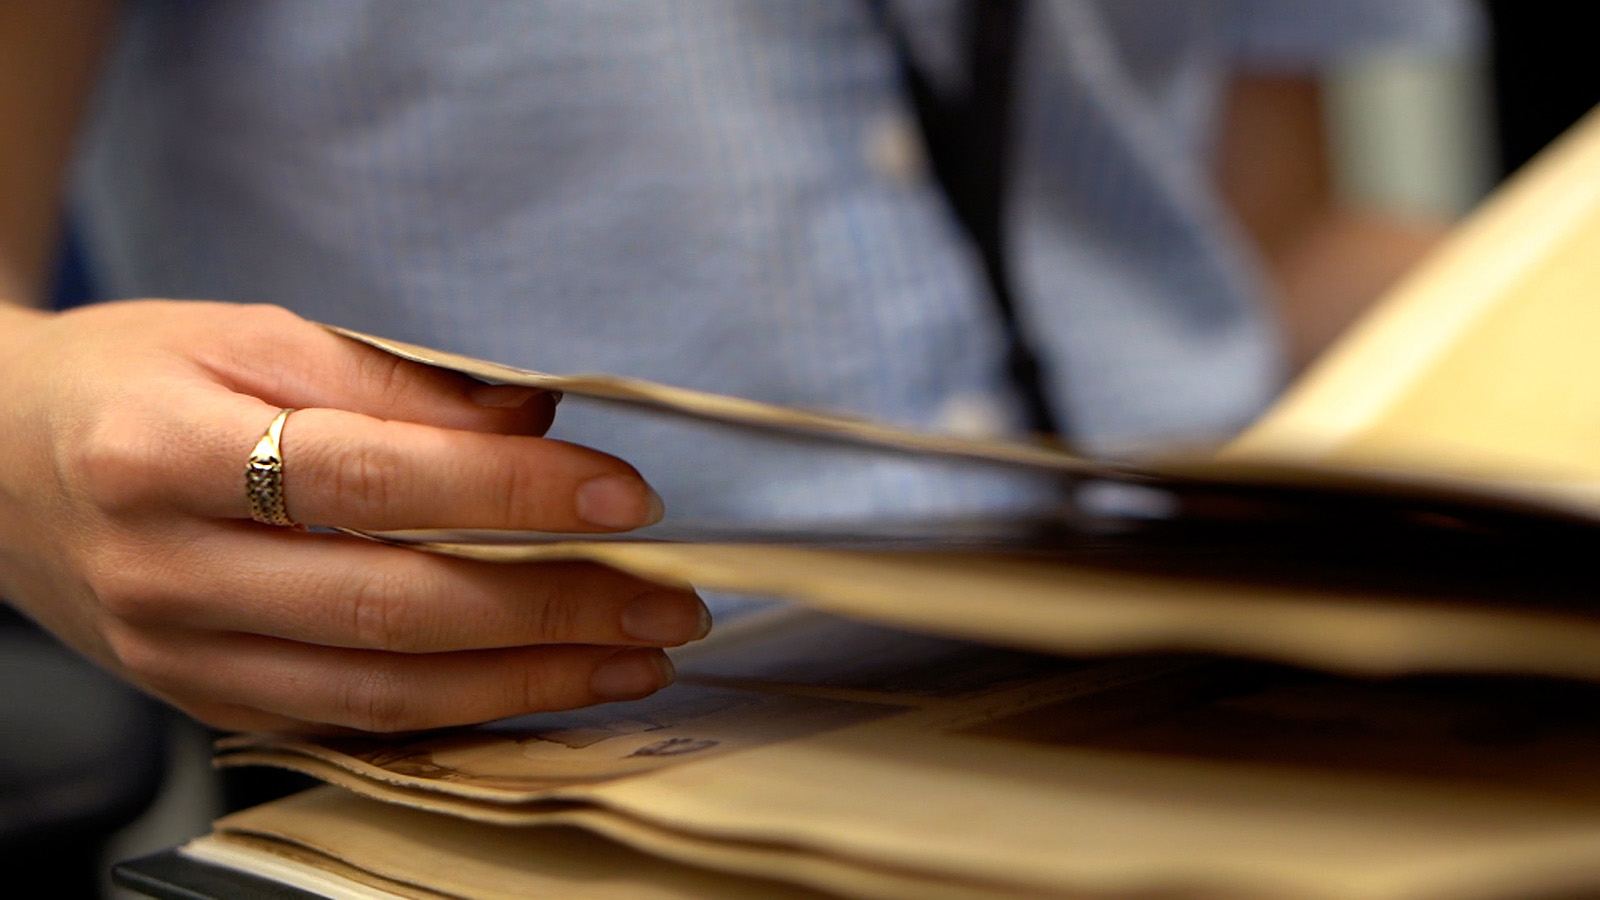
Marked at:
<point>1433,135</point>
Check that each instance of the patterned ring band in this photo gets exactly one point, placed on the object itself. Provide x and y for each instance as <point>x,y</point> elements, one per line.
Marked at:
<point>263,476</point>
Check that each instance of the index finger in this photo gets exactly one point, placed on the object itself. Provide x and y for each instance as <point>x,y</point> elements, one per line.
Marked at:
<point>335,372</point>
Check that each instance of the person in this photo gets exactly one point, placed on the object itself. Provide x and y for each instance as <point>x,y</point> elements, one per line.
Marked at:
<point>719,194</point>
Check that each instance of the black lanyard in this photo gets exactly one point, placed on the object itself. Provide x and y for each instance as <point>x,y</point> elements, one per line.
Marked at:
<point>968,138</point>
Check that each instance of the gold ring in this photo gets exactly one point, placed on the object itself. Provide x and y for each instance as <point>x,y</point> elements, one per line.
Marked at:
<point>263,476</point>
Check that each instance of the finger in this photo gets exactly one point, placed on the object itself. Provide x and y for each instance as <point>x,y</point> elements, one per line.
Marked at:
<point>371,690</point>
<point>346,592</point>
<point>347,469</point>
<point>291,362</point>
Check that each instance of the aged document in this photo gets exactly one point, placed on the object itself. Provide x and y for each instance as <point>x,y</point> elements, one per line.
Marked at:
<point>1332,671</point>
<point>943,761</point>
<point>405,845</point>
<point>1480,364</point>
<point>335,843</point>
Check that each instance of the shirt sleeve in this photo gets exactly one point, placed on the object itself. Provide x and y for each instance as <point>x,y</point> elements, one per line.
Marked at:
<point>1305,35</point>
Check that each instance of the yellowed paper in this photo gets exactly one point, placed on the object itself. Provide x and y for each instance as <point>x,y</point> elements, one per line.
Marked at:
<point>787,749</point>
<point>298,867</point>
<point>717,854</point>
<point>746,413</point>
<point>320,819</point>
<point>410,851</point>
<point>1209,778</point>
<point>1399,476</point>
<point>1482,363</point>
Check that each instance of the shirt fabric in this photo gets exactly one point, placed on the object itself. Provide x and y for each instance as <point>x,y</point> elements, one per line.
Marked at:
<point>724,195</point>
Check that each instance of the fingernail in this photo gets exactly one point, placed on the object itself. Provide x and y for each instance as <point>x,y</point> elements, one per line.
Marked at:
<point>666,618</point>
<point>632,673</point>
<point>614,501</point>
<point>501,396</point>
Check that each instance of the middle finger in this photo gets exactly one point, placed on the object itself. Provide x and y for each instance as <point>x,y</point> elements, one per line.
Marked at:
<point>342,591</point>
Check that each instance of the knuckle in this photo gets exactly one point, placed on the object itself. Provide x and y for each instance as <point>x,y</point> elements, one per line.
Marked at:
<point>512,492</point>
<point>375,700</point>
<point>145,661</point>
<point>270,318</point>
<point>363,477</point>
<point>382,616</point>
<point>275,333</point>
<point>536,690</point>
<point>117,463</point>
<point>388,375</point>
<point>130,590</point>
<point>523,494</point>
<point>556,619</point>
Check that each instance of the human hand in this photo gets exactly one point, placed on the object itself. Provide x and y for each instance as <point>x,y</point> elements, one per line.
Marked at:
<point>125,528</point>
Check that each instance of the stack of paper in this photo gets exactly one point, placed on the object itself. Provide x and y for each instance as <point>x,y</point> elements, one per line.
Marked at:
<point>876,763</point>
<point>1361,659</point>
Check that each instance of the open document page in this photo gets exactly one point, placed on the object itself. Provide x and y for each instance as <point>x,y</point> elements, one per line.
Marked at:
<point>1481,364</point>
<point>880,751</point>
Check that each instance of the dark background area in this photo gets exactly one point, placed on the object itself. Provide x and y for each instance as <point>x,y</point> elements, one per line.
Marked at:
<point>1546,74</point>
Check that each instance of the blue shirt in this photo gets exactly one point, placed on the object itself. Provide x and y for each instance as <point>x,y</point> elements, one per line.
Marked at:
<point>720,194</point>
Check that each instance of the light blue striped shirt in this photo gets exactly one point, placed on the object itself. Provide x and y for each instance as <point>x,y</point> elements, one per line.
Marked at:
<point>723,194</point>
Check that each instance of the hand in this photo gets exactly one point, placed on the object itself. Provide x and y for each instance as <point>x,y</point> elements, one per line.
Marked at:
<point>125,529</point>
